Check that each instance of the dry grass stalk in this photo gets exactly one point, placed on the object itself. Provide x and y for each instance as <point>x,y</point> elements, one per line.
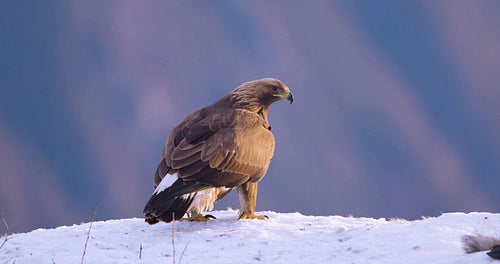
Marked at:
<point>184,250</point>
<point>173,238</point>
<point>7,232</point>
<point>88,234</point>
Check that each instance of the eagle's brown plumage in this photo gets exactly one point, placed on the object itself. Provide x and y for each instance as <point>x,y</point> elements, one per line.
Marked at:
<point>222,146</point>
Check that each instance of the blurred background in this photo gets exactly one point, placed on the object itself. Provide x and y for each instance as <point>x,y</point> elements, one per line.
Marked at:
<point>396,110</point>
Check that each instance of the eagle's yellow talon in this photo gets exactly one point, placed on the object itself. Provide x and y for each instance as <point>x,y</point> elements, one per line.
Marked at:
<point>252,216</point>
<point>197,218</point>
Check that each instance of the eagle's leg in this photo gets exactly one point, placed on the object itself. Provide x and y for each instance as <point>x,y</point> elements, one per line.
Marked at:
<point>199,217</point>
<point>247,193</point>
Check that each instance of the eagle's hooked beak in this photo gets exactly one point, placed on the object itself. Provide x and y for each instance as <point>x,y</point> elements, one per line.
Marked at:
<point>289,97</point>
<point>286,95</point>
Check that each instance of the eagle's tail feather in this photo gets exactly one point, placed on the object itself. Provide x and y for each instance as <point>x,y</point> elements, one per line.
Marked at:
<point>172,202</point>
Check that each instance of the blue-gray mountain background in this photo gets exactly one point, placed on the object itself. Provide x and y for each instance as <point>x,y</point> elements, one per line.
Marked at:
<point>396,110</point>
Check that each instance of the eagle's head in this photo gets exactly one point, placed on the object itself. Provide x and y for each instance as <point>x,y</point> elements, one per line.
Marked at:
<point>258,94</point>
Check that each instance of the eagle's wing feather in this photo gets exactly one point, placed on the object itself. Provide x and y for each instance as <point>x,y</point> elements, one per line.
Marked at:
<point>246,150</point>
<point>222,149</point>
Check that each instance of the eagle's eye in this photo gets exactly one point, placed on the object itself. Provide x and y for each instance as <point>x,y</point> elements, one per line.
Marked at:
<point>275,89</point>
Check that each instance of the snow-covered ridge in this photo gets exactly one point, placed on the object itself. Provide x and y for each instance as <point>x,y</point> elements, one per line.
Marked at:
<point>283,238</point>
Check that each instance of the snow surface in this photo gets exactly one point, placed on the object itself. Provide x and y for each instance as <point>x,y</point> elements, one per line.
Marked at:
<point>283,238</point>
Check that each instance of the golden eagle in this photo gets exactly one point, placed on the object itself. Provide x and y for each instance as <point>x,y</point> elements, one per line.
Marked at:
<point>223,146</point>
